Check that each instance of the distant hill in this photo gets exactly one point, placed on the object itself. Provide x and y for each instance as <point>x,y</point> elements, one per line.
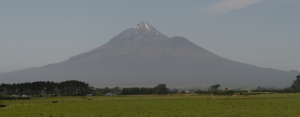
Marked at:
<point>142,56</point>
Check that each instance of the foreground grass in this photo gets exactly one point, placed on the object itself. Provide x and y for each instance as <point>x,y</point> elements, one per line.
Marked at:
<point>266,105</point>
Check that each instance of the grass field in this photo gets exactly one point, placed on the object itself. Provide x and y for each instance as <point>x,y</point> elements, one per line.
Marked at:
<point>265,105</point>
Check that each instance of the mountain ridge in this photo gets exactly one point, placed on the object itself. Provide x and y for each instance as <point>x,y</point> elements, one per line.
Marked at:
<point>141,55</point>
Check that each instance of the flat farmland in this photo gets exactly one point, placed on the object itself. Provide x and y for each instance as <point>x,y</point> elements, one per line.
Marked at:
<point>262,105</point>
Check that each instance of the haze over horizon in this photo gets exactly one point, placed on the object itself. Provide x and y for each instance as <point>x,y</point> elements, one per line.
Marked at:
<point>261,33</point>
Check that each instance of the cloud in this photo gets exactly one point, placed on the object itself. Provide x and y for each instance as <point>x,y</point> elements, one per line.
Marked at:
<point>224,6</point>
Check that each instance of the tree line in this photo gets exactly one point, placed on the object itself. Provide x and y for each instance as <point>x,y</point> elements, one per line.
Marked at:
<point>159,89</point>
<point>103,91</point>
<point>42,88</point>
<point>78,88</point>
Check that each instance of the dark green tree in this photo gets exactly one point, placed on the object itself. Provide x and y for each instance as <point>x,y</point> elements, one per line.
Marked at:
<point>115,89</point>
<point>214,87</point>
<point>161,87</point>
<point>296,84</point>
<point>145,90</point>
<point>125,91</point>
<point>106,90</point>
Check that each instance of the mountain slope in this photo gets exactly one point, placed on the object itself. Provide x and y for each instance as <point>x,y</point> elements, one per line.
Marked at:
<point>143,56</point>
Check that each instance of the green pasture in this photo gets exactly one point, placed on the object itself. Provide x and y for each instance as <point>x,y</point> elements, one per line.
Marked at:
<point>261,105</point>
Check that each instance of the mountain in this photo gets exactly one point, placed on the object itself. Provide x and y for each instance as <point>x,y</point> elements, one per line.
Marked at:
<point>142,56</point>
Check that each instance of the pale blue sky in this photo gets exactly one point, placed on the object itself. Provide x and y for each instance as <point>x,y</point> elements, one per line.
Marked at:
<point>265,33</point>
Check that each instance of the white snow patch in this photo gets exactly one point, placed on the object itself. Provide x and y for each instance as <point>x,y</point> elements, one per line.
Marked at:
<point>157,33</point>
<point>147,27</point>
<point>134,27</point>
<point>135,32</point>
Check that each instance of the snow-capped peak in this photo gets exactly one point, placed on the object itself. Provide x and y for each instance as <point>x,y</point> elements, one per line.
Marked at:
<point>147,27</point>
<point>142,25</point>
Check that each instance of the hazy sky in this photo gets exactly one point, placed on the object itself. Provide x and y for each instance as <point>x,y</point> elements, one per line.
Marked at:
<point>265,33</point>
